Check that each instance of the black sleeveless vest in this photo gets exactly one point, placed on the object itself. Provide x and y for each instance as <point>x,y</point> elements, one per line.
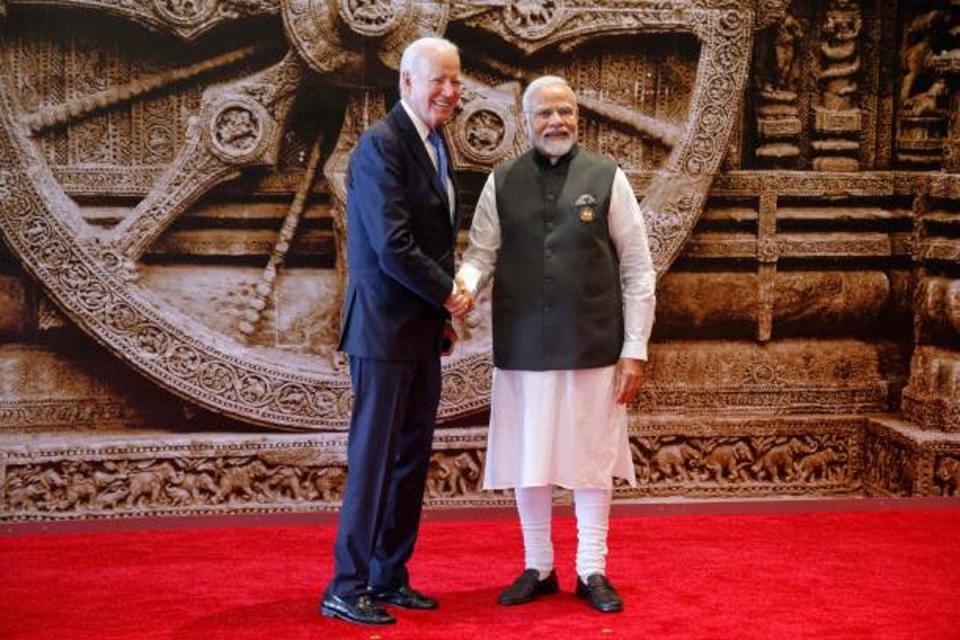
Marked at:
<point>556,293</point>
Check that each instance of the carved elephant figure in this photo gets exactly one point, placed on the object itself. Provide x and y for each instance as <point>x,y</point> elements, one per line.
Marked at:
<point>178,495</point>
<point>727,461</point>
<point>50,480</point>
<point>436,478</point>
<point>198,485</point>
<point>284,482</point>
<point>820,465</point>
<point>673,460</point>
<point>329,483</point>
<point>467,474</point>
<point>641,461</point>
<point>948,472</point>
<point>778,463</point>
<point>239,478</point>
<point>107,500</point>
<point>81,489</point>
<point>23,498</point>
<point>151,483</point>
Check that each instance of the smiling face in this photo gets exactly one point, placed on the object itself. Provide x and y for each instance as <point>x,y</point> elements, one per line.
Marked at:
<point>432,85</point>
<point>551,120</point>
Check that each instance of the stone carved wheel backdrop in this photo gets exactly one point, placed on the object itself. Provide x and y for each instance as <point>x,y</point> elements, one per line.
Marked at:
<point>226,355</point>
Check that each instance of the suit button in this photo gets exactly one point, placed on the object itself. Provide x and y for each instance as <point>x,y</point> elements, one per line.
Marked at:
<point>551,197</point>
<point>547,309</point>
<point>549,225</point>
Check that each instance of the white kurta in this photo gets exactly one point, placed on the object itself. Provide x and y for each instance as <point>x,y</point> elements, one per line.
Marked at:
<point>565,427</point>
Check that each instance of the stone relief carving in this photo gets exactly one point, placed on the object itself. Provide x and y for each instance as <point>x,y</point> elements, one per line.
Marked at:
<point>947,475</point>
<point>158,484</point>
<point>889,466</point>
<point>838,117</point>
<point>922,92</point>
<point>778,122</point>
<point>215,292</point>
<point>454,473</point>
<point>777,461</point>
<point>239,125</point>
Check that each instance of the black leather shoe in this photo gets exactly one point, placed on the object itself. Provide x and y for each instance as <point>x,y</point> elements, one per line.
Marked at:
<point>404,597</point>
<point>599,593</point>
<point>363,611</point>
<point>528,587</point>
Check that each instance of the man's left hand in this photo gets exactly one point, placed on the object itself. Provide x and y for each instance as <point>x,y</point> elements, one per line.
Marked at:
<point>450,338</point>
<point>630,377</point>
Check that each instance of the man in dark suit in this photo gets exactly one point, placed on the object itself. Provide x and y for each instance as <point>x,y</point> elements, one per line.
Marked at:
<point>401,227</point>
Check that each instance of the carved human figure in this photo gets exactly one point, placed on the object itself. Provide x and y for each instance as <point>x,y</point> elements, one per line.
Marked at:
<point>785,71</point>
<point>948,475</point>
<point>841,60</point>
<point>917,48</point>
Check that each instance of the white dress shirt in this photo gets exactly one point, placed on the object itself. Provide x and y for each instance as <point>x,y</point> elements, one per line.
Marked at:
<point>424,131</point>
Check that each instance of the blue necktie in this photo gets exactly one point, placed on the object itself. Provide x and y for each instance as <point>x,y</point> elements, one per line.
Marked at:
<point>437,141</point>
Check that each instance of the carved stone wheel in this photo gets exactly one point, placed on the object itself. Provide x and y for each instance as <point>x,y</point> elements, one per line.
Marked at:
<point>95,274</point>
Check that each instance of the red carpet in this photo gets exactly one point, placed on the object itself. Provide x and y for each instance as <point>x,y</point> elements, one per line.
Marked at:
<point>812,575</point>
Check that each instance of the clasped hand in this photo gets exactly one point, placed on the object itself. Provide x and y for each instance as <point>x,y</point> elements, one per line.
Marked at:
<point>460,301</point>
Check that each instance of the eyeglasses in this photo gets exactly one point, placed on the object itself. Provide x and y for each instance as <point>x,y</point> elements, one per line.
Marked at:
<point>546,113</point>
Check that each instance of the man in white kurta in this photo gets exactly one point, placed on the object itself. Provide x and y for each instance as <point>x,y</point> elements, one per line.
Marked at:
<point>565,427</point>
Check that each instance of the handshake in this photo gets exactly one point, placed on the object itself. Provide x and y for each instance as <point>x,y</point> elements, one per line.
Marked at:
<point>460,302</point>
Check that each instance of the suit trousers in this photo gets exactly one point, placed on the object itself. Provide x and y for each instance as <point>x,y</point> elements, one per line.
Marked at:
<point>388,454</point>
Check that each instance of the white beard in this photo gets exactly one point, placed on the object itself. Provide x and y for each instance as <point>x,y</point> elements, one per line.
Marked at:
<point>556,147</point>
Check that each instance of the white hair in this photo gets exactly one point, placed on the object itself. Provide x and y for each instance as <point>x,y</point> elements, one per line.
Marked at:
<point>416,51</point>
<point>540,83</point>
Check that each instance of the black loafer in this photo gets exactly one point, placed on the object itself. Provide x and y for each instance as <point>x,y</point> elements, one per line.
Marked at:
<point>404,597</point>
<point>599,593</point>
<point>363,611</point>
<point>528,587</point>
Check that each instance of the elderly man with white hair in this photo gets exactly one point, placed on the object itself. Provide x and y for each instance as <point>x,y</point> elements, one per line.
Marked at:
<point>402,217</point>
<point>560,232</point>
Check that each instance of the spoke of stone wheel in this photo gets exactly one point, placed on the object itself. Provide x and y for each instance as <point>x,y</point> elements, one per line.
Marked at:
<point>265,288</point>
<point>239,125</point>
<point>662,131</point>
<point>78,108</point>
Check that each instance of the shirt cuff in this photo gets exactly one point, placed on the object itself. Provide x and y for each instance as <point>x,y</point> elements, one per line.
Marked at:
<point>635,349</point>
<point>470,277</point>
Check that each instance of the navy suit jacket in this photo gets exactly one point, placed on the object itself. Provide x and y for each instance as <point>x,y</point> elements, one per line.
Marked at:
<point>400,242</point>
